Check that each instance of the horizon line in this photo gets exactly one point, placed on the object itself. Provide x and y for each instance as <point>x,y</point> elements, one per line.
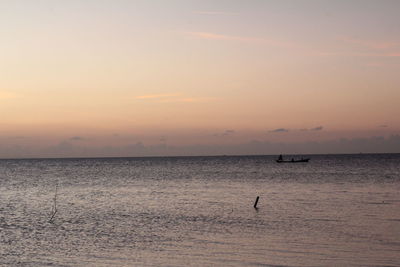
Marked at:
<point>202,156</point>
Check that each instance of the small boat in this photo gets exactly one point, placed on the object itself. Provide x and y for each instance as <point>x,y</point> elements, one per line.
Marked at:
<point>281,160</point>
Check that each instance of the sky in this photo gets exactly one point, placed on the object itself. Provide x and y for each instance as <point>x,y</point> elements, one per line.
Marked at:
<point>182,77</point>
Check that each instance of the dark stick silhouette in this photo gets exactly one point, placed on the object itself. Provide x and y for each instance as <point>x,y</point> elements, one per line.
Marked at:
<point>54,209</point>
<point>255,204</point>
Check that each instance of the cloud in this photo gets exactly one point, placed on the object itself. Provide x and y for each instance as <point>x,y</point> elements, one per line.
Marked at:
<point>368,48</point>
<point>173,98</point>
<point>157,96</point>
<point>215,13</point>
<point>279,130</point>
<point>17,137</point>
<point>319,128</point>
<point>226,133</point>
<point>224,37</point>
<point>378,54</point>
<point>376,45</point>
<point>215,36</point>
<point>77,138</point>
<point>184,100</point>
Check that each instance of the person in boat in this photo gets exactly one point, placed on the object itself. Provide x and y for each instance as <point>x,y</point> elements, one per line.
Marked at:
<point>280,158</point>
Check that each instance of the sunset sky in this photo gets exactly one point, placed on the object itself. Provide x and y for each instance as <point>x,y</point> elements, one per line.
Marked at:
<point>98,78</point>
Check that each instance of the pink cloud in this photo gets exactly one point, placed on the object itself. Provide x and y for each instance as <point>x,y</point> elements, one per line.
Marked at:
<point>376,45</point>
<point>156,96</point>
<point>357,54</point>
<point>214,13</point>
<point>224,37</point>
<point>173,98</point>
<point>186,100</point>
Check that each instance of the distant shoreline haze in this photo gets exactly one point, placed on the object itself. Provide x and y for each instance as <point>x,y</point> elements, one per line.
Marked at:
<point>70,149</point>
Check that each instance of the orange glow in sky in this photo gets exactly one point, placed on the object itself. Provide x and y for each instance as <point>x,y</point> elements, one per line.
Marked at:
<point>186,73</point>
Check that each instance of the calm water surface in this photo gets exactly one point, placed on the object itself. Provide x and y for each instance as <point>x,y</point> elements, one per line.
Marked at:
<point>337,210</point>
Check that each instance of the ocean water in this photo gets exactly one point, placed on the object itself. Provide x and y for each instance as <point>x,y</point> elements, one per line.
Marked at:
<point>336,210</point>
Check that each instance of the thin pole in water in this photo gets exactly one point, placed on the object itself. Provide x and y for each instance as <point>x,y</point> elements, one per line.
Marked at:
<point>255,204</point>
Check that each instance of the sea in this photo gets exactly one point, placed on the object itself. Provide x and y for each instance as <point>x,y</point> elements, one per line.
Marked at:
<point>335,210</point>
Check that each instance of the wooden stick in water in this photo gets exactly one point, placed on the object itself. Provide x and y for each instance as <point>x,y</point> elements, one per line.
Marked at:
<point>255,204</point>
<point>54,210</point>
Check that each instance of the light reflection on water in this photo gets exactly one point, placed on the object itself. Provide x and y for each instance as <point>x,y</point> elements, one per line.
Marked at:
<point>334,211</point>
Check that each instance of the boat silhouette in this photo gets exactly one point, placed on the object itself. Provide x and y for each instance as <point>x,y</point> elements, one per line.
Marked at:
<point>281,160</point>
